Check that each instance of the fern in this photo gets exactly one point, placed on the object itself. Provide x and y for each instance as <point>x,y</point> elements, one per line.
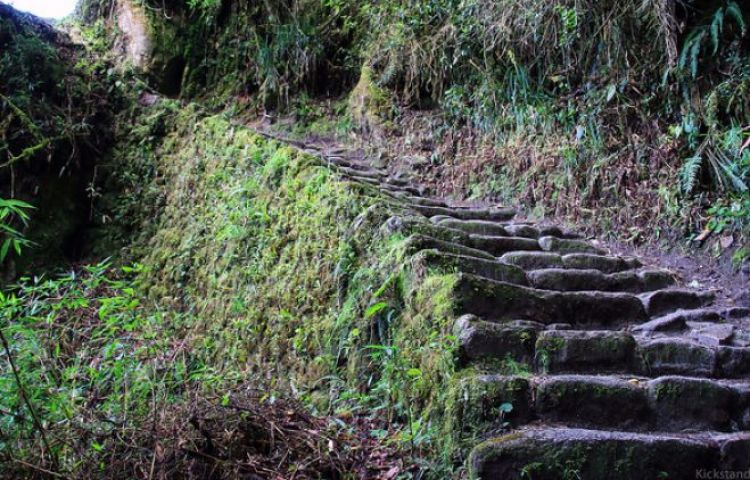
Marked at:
<point>734,11</point>
<point>691,49</point>
<point>689,174</point>
<point>717,26</point>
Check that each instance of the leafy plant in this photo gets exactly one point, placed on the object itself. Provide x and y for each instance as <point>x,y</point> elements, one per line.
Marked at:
<point>11,212</point>
<point>711,32</point>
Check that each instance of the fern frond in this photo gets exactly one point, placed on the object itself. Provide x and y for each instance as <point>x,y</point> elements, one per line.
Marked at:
<point>695,52</point>
<point>734,11</point>
<point>717,26</point>
<point>689,173</point>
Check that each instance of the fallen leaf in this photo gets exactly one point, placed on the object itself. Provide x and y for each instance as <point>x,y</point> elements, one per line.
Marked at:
<point>704,235</point>
<point>726,241</point>
<point>392,473</point>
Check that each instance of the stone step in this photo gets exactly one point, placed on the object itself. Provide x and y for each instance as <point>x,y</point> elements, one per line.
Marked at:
<point>499,246</point>
<point>498,301</point>
<point>496,214</point>
<point>565,245</point>
<point>601,402</point>
<point>603,263</point>
<point>575,261</point>
<point>597,351</point>
<point>416,243</point>
<point>561,279</point>
<point>491,269</point>
<point>503,229</point>
<point>665,301</point>
<point>533,260</point>
<point>403,192</point>
<point>480,340</point>
<point>363,173</point>
<point>431,202</point>
<point>557,453</point>
<point>479,227</point>
<point>666,404</point>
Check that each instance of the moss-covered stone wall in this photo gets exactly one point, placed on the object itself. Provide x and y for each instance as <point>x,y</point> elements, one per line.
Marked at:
<point>286,268</point>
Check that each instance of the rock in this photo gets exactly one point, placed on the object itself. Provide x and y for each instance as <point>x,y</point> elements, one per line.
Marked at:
<point>735,455</point>
<point>656,279</point>
<point>559,326</point>
<point>491,269</point>
<point>674,322</point>
<point>552,454</point>
<point>733,362</point>
<point>681,403</point>
<point>713,335</point>
<point>416,160</point>
<point>497,301</point>
<point>562,245</point>
<point>585,261</point>
<point>568,351</point>
<point>496,214</point>
<point>479,227</point>
<point>500,245</point>
<point>416,243</point>
<point>481,340</point>
<point>477,400</point>
<point>601,402</point>
<point>561,279</point>
<point>667,356</point>
<point>521,230</point>
<point>662,302</point>
<point>533,260</point>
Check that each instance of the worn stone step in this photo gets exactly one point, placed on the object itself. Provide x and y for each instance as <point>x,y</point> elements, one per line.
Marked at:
<point>411,226</point>
<point>418,200</point>
<point>499,246</point>
<point>491,269</point>
<point>603,263</point>
<point>575,261</point>
<point>364,179</point>
<point>486,227</point>
<point>408,190</point>
<point>580,280</point>
<point>585,351</point>
<point>677,321</point>
<point>416,243</point>
<point>479,227</point>
<point>666,404</point>
<point>557,351</point>
<point>363,173</point>
<point>665,301</point>
<point>496,214</point>
<point>555,453</point>
<point>479,340</point>
<point>565,245</point>
<point>533,260</point>
<point>539,231</point>
<point>603,351</point>
<point>497,301</point>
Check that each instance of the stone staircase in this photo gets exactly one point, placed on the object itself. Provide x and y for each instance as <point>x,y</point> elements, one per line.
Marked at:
<point>627,375</point>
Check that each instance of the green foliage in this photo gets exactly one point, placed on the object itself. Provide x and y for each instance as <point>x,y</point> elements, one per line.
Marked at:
<point>12,211</point>
<point>82,363</point>
<point>51,96</point>
<point>712,32</point>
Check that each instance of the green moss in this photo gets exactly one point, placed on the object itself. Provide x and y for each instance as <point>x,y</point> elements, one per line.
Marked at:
<point>286,270</point>
<point>370,106</point>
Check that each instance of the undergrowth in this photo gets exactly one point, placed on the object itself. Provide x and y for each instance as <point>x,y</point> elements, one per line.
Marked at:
<point>256,263</point>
